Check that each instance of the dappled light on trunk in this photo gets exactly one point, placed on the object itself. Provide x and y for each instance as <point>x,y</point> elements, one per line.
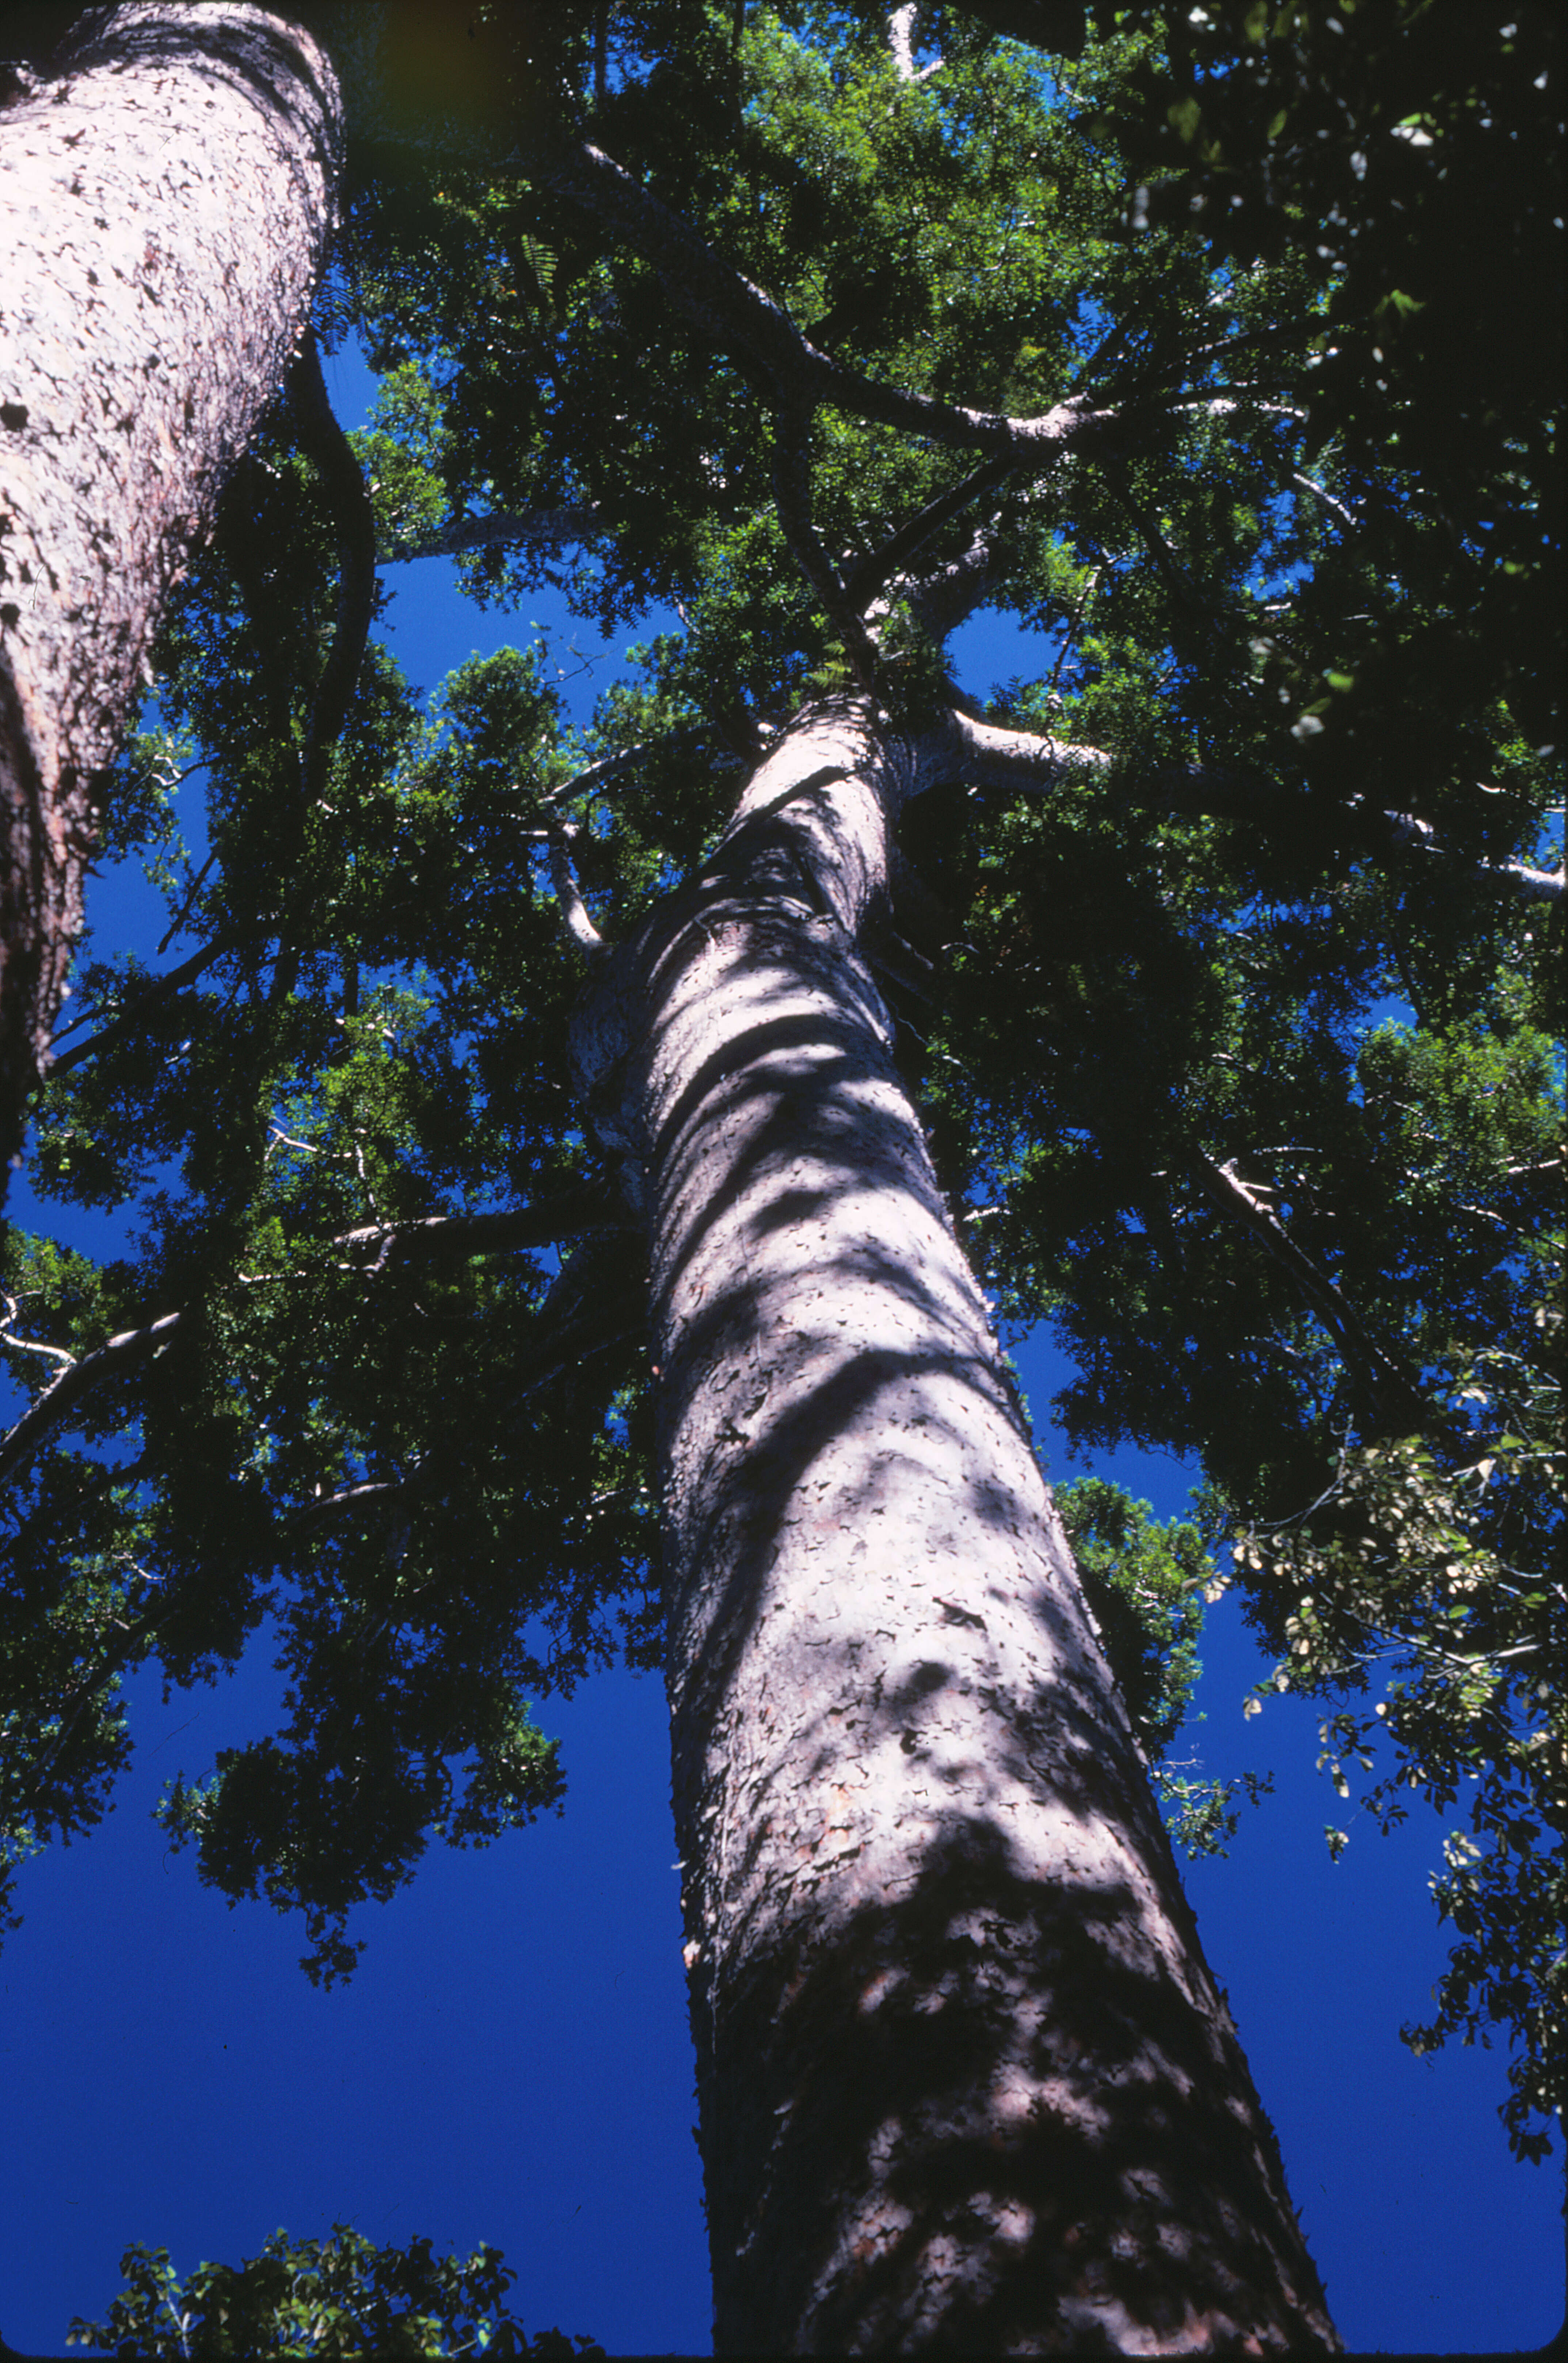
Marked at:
<point>965,2078</point>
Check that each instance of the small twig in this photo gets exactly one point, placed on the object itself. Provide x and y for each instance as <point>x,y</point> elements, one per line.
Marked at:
<point>184,911</point>
<point>1311,485</point>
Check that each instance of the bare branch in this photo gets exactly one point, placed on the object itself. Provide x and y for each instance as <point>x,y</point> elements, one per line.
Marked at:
<point>901,24</point>
<point>29,1345</point>
<point>1535,885</point>
<point>349,1497</point>
<point>1395,1392</point>
<point>875,572</point>
<point>373,1248</point>
<point>605,767</point>
<point>988,756</point>
<point>942,601</point>
<point>568,894</point>
<point>1311,485</point>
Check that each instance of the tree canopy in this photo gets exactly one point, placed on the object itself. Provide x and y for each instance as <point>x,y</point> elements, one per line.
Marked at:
<point>1218,348</point>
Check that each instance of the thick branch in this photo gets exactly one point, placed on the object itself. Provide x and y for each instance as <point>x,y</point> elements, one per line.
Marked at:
<point>901,24</point>
<point>1519,877</point>
<point>875,572</point>
<point>568,893</point>
<point>747,322</point>
<point>989,757</point>
<point>944,599</point>
<point>1231,795</point>
<point>549,530</point>
<point>61,1397</point>
<point>350,1497</point>
<point>566,1215</point>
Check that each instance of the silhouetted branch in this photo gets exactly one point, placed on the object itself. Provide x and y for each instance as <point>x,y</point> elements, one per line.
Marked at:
<point>354,526</point>
<point>1394,1390</point>
<point>158,991</point>
<point>372,1249</point>
<point>551,529</point>
<point>62,1394</point>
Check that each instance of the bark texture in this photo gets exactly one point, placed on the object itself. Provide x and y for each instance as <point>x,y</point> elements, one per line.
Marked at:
<point>965,2083</point>
<point>166,200</point>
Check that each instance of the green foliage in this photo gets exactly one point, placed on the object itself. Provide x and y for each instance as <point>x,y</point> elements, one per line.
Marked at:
<point>1432,1576</point>
<point>341,2297</point>
<point>1145,1584</point>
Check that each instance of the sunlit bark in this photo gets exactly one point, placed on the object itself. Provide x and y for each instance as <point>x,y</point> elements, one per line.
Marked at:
<point>965,2079</point>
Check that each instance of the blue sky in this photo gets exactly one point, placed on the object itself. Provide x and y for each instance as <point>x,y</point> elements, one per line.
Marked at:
<point>511,2061</point>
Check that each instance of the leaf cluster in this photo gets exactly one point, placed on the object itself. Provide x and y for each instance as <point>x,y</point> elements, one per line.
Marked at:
<point>342,2297</point>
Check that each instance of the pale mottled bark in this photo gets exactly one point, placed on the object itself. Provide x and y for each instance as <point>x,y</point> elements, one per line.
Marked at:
<point>964,2080</point>
<point>166,200</point>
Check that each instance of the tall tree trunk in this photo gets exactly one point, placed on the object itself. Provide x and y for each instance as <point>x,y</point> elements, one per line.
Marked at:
<point>964,2080</point>
<point>166,199</point>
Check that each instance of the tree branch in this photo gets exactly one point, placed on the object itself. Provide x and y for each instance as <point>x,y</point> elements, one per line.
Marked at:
<point>1519,877</point>
<point>873,574</point>
<point>900,44</point>
<point>549,530</point>
<point>157,991</point>
<point>568,894</point>
<point>62,1394</point>
<point>373,1248</point>
<point>347,1497</point>
<point>1394,1392</point>
<point>354,521</point>
<point>744,319</point>
<point>988,756</point>
<point>792,499</point>
<point>1231,795</point>
<point>948,597</point>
